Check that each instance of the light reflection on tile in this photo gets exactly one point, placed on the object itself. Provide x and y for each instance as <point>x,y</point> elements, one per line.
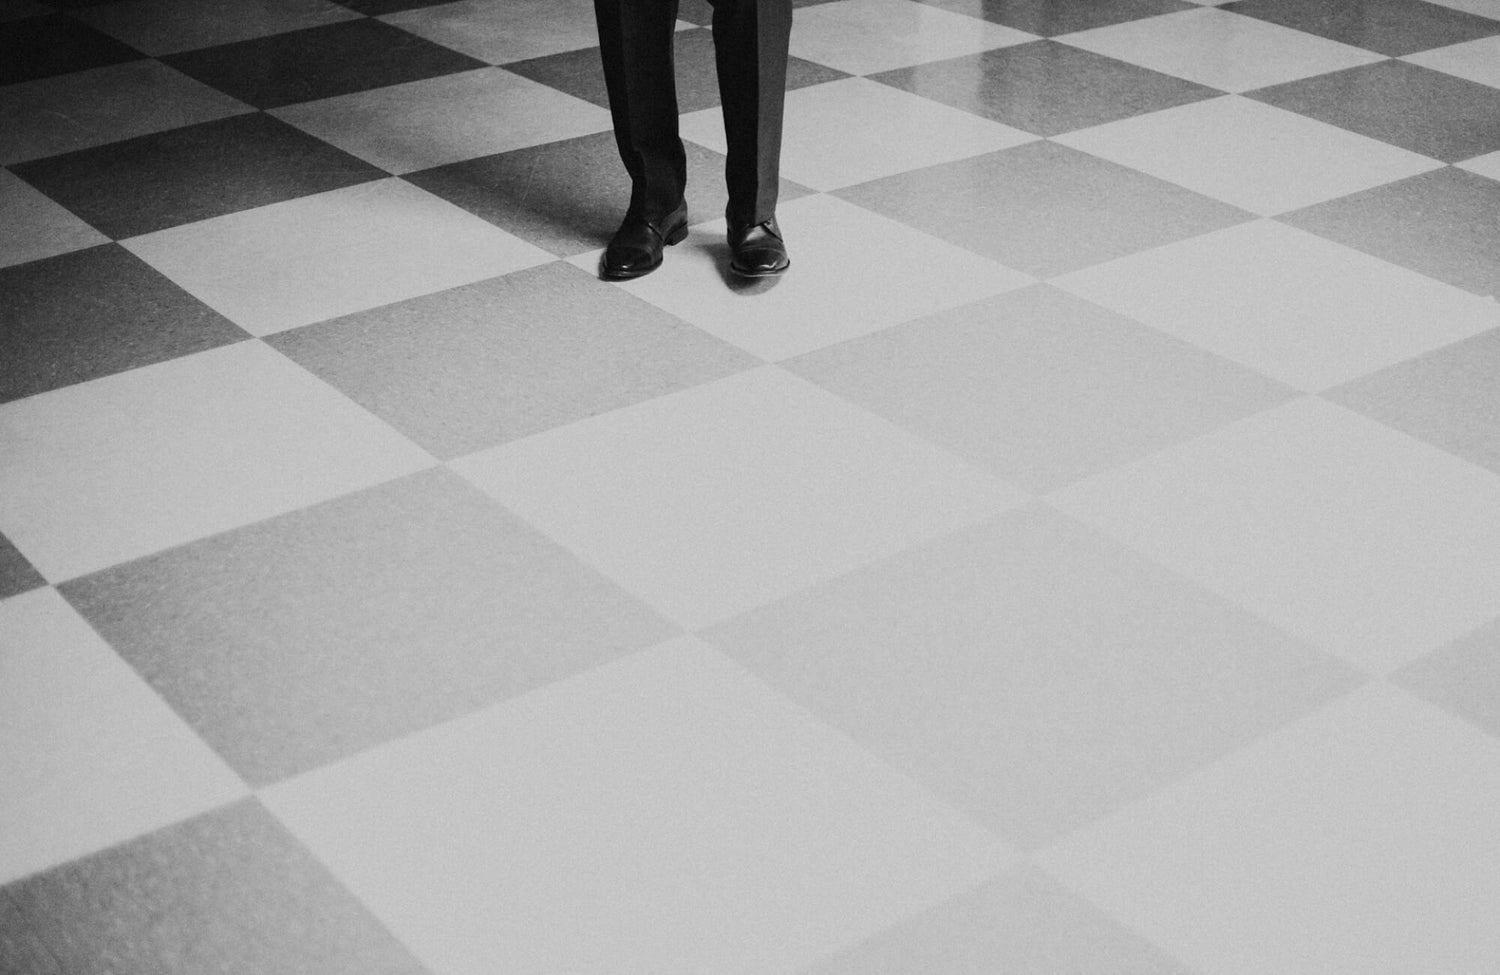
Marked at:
<point>421,124</point>
<point>865,36</point>
<point>1219,49</point>
<point>1250,155</point>
<point>829,141</point>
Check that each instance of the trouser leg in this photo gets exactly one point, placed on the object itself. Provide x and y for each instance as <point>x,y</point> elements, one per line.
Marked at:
<point>750,48</point>
<point>635,38</point>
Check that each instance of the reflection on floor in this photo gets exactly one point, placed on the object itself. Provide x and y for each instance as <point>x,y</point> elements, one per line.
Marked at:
<point>1085,560</point>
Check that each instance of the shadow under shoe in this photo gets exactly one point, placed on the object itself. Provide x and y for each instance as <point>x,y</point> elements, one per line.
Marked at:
<point>636,248</point>
<point>757,251</point>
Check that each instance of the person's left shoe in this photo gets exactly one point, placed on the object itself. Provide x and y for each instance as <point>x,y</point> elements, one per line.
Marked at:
<point>757,251</point>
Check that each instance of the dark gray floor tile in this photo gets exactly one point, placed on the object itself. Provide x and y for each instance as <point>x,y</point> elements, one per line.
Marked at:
<point>567,197</point>
<point>1393,27</point>
<point>481,365</point>
<point>1045,87</point>
<point>40,47</point>
<point>1403,104</point>
<point>95,312</point>
<point>579,73</point>
<point>1463,677</point>
<point>1044,208</point>
<point>1444,224</point>
<point>16,574</point>
<point>193,173</point>
<point>1048,18</point>
<point>1021,923</point>
<point>320,62</point>
<point>1449,397</point>
<point>350,623</point>
<point>701,11</point>
<point>1040,387</point>
<point>230,892</point>
<point>376,8</point>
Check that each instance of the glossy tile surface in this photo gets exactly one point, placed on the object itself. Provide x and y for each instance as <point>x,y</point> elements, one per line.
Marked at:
<point>1431,112</point>
<point>1220,50</point>
<point>516,356</point>
<point>309,259</point>
<point>829,142</point>
<point>1361,540</point>
<point>57,339</point>
<point>1039,387</point>
<point>469,607</point>
<point>456,117</point>
<point>108,760</point>
<point>1083,559</point>
<point>1043,208</point>
<point>180,450</point>
<point>672,771</point>
<point>1051,656</point>
<point>1303,845</point>
<point>1262,159</point>
<point>713,500</point>
<point>886,273</point>
<point>1314,314</point>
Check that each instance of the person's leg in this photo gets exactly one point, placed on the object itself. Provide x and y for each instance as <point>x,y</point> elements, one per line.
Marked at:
<point>750,45</point>
<point>635,39</point>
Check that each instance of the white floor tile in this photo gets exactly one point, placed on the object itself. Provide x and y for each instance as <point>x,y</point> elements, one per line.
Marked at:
<point>866,36</point>
<point>830,143</point>
<point>1363,839</point>
<point>1486,165</point>
<point>853,272</point>
<point>90,756</point>
<point>318,257</point>
<point>1475,60</point>
<point>725,496</point>
<point>403,128</point>
<point>1484,8</point>
<point>1299,308</point>
<point>666,813</point>
<point>1362,540</point>
<point>105,471</point>
<point>1221,49</point>
<point>1249,154</point>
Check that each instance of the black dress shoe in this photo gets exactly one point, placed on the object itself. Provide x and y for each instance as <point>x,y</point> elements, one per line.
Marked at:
<point>757,251</point>
<point>636,247</point>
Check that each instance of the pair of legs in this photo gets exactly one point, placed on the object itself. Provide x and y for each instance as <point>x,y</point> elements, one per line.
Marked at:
<point>750,50</point>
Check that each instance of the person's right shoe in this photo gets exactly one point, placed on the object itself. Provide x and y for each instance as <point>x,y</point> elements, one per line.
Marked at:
<point>636,248</point>
<point>757,251</point>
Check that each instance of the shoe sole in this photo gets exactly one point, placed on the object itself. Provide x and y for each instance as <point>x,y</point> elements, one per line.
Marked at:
<point>741,272</point>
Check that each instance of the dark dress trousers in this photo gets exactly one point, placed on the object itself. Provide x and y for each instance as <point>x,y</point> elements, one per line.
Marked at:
<point>750,50</point>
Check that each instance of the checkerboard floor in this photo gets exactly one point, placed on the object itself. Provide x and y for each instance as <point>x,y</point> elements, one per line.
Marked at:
<point>1085,559</point>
